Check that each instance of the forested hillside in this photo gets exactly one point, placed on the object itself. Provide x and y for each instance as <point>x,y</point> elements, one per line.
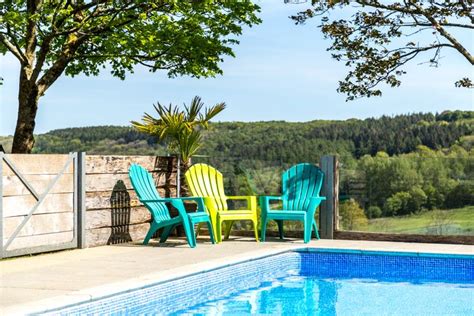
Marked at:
<point>279,140</point>
<point>408,173</point>
<point>294,142</point>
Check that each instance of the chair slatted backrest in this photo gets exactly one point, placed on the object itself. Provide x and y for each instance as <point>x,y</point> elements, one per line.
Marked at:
<point>299,184</point>
<point>206,181</point>
<point>144,186</point>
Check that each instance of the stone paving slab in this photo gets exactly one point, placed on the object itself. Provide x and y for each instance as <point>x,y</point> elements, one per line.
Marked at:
<point>36,283</point>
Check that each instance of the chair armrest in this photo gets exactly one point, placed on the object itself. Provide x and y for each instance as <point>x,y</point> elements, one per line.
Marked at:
<point>199,201</point>
<point>314,202</point>
<point>265,201</point>
<point>164,200</point>
<point>269,198</point>
<point>251,200</point>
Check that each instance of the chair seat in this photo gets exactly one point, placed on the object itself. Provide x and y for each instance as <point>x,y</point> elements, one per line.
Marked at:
<point>172,221</point>
<point>286,214</point>
<point>236,213</point>
<point>198,217</point>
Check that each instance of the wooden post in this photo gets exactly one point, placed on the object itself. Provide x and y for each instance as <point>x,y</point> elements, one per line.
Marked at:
<point>178,176</point>
<point>81,200</point>
<point>329,208</point>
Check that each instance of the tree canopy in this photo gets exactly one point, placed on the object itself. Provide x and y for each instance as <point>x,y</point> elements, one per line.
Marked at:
<point>376,39</point>
<point>50,38</point>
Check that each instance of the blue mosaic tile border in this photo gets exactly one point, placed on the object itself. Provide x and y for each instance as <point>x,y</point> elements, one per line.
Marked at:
<point>188,291</point>
<point>408,267</point>
<point>180,294</point>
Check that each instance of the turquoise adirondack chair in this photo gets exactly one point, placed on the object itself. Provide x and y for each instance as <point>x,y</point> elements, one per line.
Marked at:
<point>300,198</point>
<point>144,186</point>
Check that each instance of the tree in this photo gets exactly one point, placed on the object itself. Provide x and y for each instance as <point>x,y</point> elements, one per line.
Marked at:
<point>461,195</point>
<point>352,216</point>
<point>418,199</point>
<point>52,38</point>
<point>180,129</point>
<point>382,36</point>
<point>397,204</point>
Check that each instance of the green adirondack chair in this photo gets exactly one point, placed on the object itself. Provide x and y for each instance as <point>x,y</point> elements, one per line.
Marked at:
<point>204,180</point>
<point>144,186</point>
<point>300,198</point>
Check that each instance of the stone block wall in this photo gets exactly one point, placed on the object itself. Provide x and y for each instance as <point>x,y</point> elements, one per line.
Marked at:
<point>113,212</point>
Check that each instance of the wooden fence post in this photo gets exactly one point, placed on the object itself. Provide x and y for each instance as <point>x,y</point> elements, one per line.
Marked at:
<point>81,200</point>
<point>329,208</point>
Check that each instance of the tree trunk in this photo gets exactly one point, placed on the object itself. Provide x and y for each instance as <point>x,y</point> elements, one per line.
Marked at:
<point>28,96</point>
<point>184,190</point>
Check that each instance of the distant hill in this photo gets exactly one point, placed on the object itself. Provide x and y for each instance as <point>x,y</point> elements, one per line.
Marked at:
<point>279,140</point>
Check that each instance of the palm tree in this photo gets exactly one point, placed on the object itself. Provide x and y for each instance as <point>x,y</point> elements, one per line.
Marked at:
<point>180,129</point>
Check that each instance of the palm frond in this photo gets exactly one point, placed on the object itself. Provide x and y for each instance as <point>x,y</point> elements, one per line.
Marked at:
<point>194,109</point>
<point>210,113</point>
<point>189,143</point>
<point>180,129</point>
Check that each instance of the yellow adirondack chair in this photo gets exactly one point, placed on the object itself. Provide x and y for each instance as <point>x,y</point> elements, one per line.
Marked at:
<point>205,181</point>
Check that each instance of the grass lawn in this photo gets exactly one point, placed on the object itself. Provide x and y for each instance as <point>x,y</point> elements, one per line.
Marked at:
<point>446,222</point>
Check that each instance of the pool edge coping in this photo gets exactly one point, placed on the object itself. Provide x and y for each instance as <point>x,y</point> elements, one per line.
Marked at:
<point>105,291</point>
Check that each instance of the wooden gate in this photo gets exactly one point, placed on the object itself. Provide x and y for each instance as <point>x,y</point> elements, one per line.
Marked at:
<point>38,203</point>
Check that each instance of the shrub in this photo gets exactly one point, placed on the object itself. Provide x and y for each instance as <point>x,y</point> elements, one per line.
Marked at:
<point>397,204</point>
<point>374,212</point>
<point>461,195</point>
<point>352,216</point>
<point>417,200</point>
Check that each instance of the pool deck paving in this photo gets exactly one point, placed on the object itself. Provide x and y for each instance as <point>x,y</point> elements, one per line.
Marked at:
<point>42,282</point>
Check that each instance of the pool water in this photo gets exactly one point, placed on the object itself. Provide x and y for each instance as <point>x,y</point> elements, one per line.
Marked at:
<point>307,282</point>
<point>311,295</point>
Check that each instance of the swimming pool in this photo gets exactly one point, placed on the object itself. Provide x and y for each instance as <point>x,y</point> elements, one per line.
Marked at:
<point>309,282</point>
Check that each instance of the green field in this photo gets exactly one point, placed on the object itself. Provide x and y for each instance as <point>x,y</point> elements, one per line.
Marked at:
<point>440,222</point>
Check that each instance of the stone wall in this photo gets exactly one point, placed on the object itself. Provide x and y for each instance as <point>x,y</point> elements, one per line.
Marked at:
<point>113,212</point>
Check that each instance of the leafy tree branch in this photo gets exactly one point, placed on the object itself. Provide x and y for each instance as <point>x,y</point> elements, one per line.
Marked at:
<point>372,41</point>
<point>72,37</point>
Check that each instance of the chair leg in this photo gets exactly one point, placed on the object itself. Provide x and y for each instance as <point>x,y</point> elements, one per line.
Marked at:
<point>255,229</point>
<point>189,231</point>
<point>153,228</point>
<point>198,228</point>
<point>195,227</point>
<point>264,227</point>
<point>219,230</point>
<point>307,223</point>
<point>228,227</point>
<point>166,232</point>
<point>214,222</point>
<point>280,228</point>
<point>315,227</point>
<point>211,232</point>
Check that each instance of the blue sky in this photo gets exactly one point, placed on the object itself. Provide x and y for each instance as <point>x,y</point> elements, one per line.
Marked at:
<point>281,72</point>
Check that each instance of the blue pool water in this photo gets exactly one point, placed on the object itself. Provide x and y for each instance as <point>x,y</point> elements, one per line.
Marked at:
<point>309,282</point>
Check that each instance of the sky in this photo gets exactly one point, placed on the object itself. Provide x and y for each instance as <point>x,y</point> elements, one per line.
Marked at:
<point>282,71</point>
